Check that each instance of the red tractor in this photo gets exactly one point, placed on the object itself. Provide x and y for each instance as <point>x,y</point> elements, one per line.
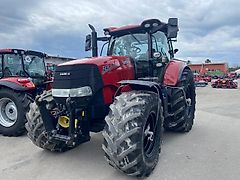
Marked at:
<point>200,81</point>
<point>23,76</point>
<point>50,69</point>
<point>129,95</point>
<point>207,78</point>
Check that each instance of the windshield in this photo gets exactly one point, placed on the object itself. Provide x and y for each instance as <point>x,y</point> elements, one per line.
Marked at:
<point>22,65</point>
<point>134,45</point>
<point>34,65</point>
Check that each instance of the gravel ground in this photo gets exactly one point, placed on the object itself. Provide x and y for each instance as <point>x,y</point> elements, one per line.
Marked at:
<point>210,151</point>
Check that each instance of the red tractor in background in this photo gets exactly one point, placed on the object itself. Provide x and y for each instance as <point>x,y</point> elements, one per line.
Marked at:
<point>23,76</point>
<point>207,78</point>
<point>51,69</point>
<point>130,94</point>
<point>200,81</point>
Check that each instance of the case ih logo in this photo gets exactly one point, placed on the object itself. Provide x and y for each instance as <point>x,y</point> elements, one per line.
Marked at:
<point>110,67</point>
<point>65,74</point>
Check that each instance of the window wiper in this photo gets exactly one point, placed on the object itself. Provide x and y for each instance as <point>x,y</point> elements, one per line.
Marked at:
<point>135,38</point>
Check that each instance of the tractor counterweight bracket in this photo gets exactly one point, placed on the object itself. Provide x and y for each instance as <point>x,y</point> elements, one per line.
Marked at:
<point>47,118</point>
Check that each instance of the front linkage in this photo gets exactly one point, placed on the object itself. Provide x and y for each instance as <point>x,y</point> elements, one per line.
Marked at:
<point>78,131</point>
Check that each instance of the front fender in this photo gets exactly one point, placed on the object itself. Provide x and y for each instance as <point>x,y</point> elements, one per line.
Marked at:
<point>173,72</point>
<point>141,85</point>
<point>18,84</point>
<point>12,85</point>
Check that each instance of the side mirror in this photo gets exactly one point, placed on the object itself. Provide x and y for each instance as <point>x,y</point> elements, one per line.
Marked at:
<point>172,27</point>
<point>157,55</point>
<point>175,51</point>
<point>88,43</point>
<point>160,56</point>
<point>173,21</point>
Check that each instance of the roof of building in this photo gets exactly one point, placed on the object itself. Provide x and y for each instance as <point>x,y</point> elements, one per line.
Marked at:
<point>200,64</point>
<point>59,57</point>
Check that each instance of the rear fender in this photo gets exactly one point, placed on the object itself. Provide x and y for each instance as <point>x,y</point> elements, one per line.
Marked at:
<point>173,72</point>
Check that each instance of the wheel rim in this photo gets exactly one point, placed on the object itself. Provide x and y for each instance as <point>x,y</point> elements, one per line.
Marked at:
<point>189,101</point>
<point>8,112</point>
<point>149,134</point>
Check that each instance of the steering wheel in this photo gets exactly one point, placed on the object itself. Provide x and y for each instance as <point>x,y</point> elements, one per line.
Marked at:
<point>121,49</point>
<point>135,49</point>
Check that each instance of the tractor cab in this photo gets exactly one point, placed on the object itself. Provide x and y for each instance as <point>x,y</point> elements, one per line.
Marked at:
<point>149,44</point>
<point>20,63</point>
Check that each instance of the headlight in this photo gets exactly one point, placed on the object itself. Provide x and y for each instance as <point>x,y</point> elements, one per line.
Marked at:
<point>75,92</point>
<point>80,92</point>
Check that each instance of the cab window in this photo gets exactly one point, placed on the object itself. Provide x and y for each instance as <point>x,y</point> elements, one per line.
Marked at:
<point>160,43</point>
<point>12,65</point>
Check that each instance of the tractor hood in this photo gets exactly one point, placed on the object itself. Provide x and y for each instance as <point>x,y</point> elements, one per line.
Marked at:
<point>104,64</point>
<point>99,76</point>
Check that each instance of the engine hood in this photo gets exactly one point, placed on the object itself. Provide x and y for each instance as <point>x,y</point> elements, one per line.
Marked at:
<point>104,64</point>
<point>102,74</point>
<point>95,60</point>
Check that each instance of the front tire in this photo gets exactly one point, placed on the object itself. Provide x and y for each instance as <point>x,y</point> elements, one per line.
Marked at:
<point>13,109</point>
<point>133,133</point>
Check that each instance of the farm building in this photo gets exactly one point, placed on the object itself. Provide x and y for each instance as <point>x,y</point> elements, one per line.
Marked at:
<point>204,68</point>
<point>57,59</point>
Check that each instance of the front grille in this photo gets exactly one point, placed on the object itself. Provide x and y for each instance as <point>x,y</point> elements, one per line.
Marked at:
<point>76,76</point>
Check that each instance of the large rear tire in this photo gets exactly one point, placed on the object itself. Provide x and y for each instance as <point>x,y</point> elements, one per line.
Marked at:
<point>182,102</point>
<point>13,109</point>
<point>35,127</point>
<point>133,133</point>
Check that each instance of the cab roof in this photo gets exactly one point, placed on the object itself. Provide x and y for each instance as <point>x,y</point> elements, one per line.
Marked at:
<point>149,25</point>
<point>10,50</point>
<point>115,31</point>
<point>21,51</point>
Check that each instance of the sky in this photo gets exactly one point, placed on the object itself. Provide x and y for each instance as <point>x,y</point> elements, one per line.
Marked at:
<point>208,29</point>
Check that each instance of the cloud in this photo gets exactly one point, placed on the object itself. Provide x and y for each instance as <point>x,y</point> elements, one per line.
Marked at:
<point>208,29</point>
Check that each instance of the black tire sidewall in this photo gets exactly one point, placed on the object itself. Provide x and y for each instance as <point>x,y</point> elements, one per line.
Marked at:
<point>150,161</point>
<point>131,158</point>
<point>190,84</point>
<point>19,124</point>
